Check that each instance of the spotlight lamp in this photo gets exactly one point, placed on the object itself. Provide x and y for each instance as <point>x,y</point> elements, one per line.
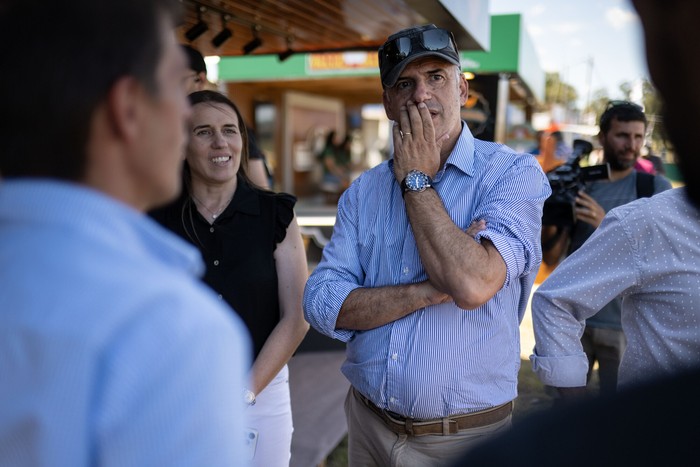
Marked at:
<point>199,28</point>
<point>225,33</point>
<point>254,43</point>
<point>282,56</point>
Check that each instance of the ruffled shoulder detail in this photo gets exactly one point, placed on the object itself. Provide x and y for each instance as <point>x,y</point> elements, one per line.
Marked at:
<point>284,213</point>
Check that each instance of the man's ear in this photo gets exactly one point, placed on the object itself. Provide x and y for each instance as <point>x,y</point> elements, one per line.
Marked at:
<point>125,102</point>
<point>463,89</point>
<point>202,80</point>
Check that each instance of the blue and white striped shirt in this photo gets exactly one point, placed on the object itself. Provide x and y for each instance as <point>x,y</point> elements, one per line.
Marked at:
<point>440,360</point>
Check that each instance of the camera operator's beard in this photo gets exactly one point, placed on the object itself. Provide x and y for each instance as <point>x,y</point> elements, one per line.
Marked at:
<point>618,165</point>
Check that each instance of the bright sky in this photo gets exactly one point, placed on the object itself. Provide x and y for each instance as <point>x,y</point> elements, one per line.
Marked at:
<point>568,33</point>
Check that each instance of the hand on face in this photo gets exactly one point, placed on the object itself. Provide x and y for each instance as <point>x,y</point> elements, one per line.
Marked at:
<point>425,103</point>
<point>415,143</point>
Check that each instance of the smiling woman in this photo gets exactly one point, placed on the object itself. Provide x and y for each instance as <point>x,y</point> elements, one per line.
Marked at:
<point>214,155</point>
<point>251,244</point>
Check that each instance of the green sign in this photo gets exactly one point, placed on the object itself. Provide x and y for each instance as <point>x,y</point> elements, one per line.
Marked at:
<point>511,52</point>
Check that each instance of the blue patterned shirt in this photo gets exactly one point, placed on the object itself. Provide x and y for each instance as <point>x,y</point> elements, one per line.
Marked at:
<point>112,352</point>
<point>647,253</point>
<point>440,360</point>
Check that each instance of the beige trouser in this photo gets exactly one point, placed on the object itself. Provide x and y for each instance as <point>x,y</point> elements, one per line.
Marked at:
<point>371,443</point>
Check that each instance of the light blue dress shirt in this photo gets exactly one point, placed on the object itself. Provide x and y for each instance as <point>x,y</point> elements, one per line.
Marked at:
<point>440,360</point>
<point>648,253</point>
<point>111,350</point>
<point>611,194</point>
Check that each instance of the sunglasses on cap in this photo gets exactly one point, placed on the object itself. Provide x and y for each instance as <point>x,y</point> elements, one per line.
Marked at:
<point>428,40</point>
<point>632,105</point>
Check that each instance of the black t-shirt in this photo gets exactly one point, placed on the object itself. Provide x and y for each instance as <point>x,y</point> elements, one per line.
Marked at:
<point>254,151</point>
<point>238,251</point>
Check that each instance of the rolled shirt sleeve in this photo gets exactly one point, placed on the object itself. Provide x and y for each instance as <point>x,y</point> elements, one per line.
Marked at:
<point>338,274</point>
<point>513,217</point>
<point>602,269</point>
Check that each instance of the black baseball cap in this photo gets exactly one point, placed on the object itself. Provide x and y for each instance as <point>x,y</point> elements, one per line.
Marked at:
<point>403,47</point>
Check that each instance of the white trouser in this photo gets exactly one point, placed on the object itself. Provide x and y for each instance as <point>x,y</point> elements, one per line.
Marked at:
<point>271,416</point>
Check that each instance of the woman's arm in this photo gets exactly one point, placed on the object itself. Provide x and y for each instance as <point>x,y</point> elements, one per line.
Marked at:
<point>292,272</point>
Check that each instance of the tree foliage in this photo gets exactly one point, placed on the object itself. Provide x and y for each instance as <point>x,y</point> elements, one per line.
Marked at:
<point>558,92</point>
<point>597,104</point>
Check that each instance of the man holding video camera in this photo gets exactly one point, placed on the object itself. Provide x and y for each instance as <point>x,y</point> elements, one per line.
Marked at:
<point>622,130</point>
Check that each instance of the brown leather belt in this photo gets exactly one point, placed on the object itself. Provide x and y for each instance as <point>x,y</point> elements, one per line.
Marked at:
<point>439,426</point>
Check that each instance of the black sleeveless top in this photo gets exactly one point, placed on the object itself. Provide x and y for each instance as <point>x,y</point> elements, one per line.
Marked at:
<point>238,251</point>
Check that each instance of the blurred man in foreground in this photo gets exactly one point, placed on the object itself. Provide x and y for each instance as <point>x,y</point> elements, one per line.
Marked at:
<point>111,351</point>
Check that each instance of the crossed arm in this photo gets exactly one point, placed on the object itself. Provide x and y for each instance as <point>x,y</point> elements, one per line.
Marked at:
<point>368,308</point>
<point>459,268</point>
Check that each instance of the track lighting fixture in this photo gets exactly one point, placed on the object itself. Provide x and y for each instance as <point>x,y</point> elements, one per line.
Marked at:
<point>225,33</point>
<point>254,43</point>
<point>199,28</point>
<point>207,9</point>
<point>282,56</point>
<point>287,53</point>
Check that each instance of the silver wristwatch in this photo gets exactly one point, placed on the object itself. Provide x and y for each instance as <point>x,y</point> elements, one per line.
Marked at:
<point>416,181</point>
<point>248,397</point>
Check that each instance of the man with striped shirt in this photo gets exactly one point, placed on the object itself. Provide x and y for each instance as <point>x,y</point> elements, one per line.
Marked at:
<point>429,310</point>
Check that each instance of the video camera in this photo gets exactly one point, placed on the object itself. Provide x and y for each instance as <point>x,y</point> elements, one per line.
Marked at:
<point>566,181</point>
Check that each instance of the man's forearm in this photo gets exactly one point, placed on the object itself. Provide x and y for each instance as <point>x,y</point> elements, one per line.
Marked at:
<point>468,271</point>
<point>368,308</point>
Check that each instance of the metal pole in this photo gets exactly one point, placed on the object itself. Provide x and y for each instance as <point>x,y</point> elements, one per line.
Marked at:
<point>501,107</point>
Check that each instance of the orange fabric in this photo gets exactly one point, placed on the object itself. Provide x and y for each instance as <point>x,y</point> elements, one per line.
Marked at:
<point>543,272</point>
<point>547,158</point>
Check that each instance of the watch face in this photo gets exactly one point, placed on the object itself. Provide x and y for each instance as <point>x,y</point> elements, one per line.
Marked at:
<point>417,180</point>
<point>248,397</point>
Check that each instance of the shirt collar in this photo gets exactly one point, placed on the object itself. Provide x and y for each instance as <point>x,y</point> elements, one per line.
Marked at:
<point>462,155</point>
<point>245,200</point>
